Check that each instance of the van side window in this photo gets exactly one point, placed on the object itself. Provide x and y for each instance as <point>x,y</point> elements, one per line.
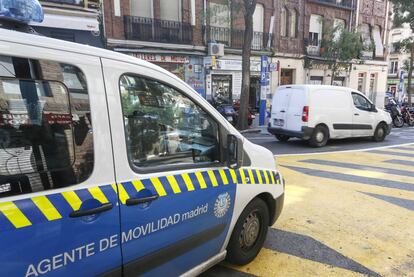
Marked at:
<point>165,127</point>
<point>361,102</point>
<point>45,126</point>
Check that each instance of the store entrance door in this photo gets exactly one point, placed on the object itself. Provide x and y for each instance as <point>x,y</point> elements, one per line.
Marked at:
<point>254,94</point>
<point>221,89</point>
<point>286,77</point>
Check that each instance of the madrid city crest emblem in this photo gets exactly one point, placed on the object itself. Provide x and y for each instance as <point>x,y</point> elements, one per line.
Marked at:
<point>222,205</point>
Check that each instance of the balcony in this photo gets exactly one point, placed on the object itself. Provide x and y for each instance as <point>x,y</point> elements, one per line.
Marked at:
<point>313,50</point>
<point>234,38</point>
<point>156,30</point>
<point>344,4</point>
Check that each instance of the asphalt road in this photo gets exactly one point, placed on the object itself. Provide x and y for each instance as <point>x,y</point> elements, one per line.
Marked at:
<point>296,146</point>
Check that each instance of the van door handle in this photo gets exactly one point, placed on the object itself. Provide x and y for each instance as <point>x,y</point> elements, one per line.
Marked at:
<point>356,114</point>
<point>103,208</point>
<point>137,201</point>
<point>282,111</point>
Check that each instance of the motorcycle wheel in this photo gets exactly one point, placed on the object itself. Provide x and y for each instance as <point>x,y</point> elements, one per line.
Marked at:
<point>398,122</point>
<point>411,122</point>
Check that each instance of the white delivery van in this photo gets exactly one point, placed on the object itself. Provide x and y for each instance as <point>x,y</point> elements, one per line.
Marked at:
<point>318,113</point>
<point>112,166</point>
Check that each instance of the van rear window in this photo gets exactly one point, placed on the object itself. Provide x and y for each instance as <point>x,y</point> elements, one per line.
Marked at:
<point>45,126</point>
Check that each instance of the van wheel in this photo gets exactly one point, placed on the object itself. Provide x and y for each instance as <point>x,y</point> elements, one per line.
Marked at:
<point>249,233</point>
<point>380,133</point>
<point>282,138</point>
<point>319,137</point>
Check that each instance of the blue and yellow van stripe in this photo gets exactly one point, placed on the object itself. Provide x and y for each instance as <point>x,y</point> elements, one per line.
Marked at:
<point>40,209</point>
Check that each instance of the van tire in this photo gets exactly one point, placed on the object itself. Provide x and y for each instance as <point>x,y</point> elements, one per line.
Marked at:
<point>380,133</point>
<point>243,247</point>
<point>319,136</point>
<point>282,138</point>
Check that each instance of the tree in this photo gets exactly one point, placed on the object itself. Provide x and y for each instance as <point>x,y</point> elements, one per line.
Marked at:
<point>248,9</point>
<point>404,14</point>
<point>340,47</point>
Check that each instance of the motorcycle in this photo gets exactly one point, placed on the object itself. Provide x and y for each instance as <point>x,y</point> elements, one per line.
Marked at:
<point>406,113</point>
<point>395,112</point>
<point>228,112</point>
<point>250,115</point>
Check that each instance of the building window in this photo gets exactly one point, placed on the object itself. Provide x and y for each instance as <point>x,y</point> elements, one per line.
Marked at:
<point>258,18</point>
<point>219,15</point>
<point>283,22</point>
<point>339,27</point>
<point>45,126</point>
<point>393,67</point>
<point>379,47</point>
<point>361,82</point>
<point>293,23</point>
<point>141,8</point>
<point>316,80</point>
<point>163,127</point>
<point>315,29</point>
<point>366,40</point>
<point>170,10</point>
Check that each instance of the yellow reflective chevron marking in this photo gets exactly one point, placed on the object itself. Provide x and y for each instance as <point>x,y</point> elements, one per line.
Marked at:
<point>272,176</point>
<point>233,176</point>
<point>200,180</point>
<point>138,185</point>
<point>46,207</point>
<point>97,193</point>
<point>187,181</point>
<point>242,176</point>
<point>122,194</point>
<point>212,178</point>
<point>173,183</point>
<point>14,215</point>
<point>251,177</point>
<point>223,177</point>
<point>158,186</point>
<point>73,199</point>
<point>259,176</point>
<point>266,177</point>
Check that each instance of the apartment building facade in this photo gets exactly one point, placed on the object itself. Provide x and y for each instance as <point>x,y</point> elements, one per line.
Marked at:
<point>71,20</point>
<point>199,41</point>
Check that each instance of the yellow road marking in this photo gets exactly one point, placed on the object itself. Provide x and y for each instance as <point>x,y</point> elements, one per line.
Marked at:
<point>138,185</point>
<point>97,193</point>
<point>259,176</point>
<point>158,186</point>
<point>212,178</point>
<point>223,176</point>
<point>200,180</point>
<point>14,215</point>
<point>242,176</point>
<point>46,207</point>
<point>233,175</point>
<point>251,177</point>
<point>187,182</point>
<point>173,183</point>
<point>73,199</point>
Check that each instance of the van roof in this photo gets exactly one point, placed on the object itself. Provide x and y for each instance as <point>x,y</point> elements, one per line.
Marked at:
<point>314,87</point>
<point>51,43</point>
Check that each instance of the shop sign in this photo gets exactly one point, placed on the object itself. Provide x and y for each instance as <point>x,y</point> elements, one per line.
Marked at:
<point>162,58</point>
<point>236,65</point>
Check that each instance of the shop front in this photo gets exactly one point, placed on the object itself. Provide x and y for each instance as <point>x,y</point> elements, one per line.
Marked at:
<point>223,81</point>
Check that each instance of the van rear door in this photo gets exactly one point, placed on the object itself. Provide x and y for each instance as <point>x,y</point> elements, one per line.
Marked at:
<point>297,101</point>
<point>280,106</point>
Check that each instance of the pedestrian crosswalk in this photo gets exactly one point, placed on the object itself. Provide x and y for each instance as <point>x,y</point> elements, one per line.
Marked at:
<point>345,214</point>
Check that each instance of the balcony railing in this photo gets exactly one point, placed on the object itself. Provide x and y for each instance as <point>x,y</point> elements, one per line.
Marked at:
<point>235,38</point>
<point>346,4</point>
<point>313,50</point>
<point>156,30</point>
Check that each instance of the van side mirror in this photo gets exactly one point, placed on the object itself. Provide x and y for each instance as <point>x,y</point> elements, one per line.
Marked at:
<point>373,108</point>
<point>234,152</point>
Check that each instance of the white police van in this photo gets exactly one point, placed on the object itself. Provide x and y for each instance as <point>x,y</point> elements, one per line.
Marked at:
<point>112,166</point>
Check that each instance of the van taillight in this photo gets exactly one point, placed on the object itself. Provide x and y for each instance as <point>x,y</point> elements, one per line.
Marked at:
<point>305,114</point>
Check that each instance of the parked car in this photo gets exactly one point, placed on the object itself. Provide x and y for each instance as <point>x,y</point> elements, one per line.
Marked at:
<point>318,113</point>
